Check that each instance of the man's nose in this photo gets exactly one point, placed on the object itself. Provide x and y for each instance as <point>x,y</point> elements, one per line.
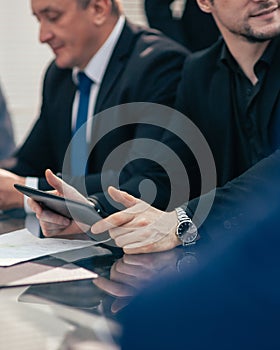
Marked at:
<point>45,33</point>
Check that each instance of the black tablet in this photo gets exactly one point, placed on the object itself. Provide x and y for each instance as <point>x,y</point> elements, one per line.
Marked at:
<point>71,209</point>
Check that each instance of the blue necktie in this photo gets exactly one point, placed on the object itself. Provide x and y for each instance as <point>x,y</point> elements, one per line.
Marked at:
<point>79,148</point>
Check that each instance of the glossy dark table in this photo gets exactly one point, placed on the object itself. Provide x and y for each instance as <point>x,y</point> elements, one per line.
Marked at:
<point>80,314</point>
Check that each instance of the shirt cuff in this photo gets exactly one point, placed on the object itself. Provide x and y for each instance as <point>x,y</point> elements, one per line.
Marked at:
<point>30,182</point>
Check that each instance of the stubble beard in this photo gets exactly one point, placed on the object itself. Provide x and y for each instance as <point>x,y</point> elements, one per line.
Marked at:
<point>254,36</point>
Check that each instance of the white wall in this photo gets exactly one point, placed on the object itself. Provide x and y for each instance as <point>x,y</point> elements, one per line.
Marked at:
<point>23,59</point>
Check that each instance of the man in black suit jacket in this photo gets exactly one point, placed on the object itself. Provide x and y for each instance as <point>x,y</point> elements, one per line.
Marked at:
<point>143,66</point>
<point>231,92</point>
<point>195,29</point>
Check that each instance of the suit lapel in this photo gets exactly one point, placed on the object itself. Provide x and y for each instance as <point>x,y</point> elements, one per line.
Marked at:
<point>116,65</point>
<point>63,115</point>
<point>222,121</point>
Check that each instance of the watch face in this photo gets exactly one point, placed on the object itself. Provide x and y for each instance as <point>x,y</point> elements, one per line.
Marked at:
<point>187,232</point>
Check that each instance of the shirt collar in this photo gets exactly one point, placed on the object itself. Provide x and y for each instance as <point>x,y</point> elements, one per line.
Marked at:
<point>267,57</point>
<point>97,66</point>
<point>268,54</point>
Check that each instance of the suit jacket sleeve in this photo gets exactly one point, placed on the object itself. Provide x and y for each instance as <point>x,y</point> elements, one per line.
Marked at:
<point>244,202</point>
<point>48,139</point>
<point>33,154</point>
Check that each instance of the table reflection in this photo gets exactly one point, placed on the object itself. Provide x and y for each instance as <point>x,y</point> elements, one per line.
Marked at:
<point>132,273</point>
<point>55,316</point>
<point>37,324</point>
<point>80,314</point>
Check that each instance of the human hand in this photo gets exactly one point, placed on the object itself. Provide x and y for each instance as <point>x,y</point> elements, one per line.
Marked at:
<point>140,228</point>
<point>131,273</point>
<point>9,197</point>
<point>53,224</point>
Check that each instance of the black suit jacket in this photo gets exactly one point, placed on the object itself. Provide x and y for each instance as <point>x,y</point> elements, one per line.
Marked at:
<point>232,300</point>
<point>244,197</point>
<point>229,301</point>
<point>145,67</point>
<point>195,29</point>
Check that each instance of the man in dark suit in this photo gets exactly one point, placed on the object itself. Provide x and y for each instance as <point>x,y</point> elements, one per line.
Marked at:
<point>126,63</point>
<point>194,29</point>
<point>231,92</point>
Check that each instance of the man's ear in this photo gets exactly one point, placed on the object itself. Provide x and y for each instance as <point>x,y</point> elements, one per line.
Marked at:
<point>101,9</point>
<point>205,5</point>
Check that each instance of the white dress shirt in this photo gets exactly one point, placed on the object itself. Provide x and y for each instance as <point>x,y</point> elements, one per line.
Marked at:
<point>95,70</point>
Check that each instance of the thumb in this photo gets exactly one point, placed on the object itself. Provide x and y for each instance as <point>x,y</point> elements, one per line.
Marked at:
<point>54,181</point>
<point>122,197</point>
<point>63,188</point>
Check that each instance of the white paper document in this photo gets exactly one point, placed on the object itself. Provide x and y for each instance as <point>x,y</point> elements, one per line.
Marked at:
<point>21,245</point>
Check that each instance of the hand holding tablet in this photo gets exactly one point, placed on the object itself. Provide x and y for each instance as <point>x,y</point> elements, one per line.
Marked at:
<point>75,210</point>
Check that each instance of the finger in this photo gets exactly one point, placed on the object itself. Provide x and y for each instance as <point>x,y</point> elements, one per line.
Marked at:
<point>50,230</point>
<point>63,188</point>
<point>137,223</point>
<point>54,181</point>
<point>129,238</point>
<point>154,244</point>
<point>141,249</point>
<point>140,260</point>
<point>34,206</point>
<point>123,221</point>
<point>119,231</point>
<point>114,288</point>
<point>122,197</point>
<point>129,269</point>
<point>51,217</point>
<point>120,304</point>
<point>113,221</point>
<point>133,276</point>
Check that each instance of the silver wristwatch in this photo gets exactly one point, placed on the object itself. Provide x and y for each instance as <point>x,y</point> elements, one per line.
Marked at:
<point>186,230</point>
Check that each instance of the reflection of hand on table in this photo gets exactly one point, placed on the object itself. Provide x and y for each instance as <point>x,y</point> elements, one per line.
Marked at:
<point>131,273</point>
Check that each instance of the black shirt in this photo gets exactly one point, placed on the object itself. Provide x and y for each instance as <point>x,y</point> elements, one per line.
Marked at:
<point>245,96</point>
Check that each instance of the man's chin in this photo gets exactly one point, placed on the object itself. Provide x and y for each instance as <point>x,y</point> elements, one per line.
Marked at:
<point>265,33</point>
<point>62,63</point>
<point>261,37</point>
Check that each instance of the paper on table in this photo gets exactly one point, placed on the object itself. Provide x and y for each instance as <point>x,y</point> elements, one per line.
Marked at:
<point>21,245</point>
